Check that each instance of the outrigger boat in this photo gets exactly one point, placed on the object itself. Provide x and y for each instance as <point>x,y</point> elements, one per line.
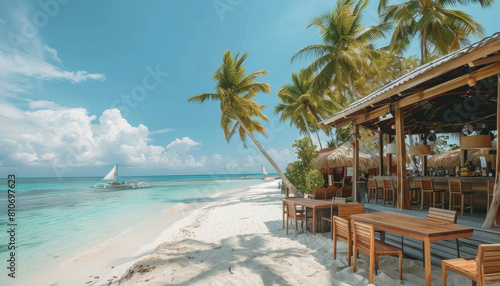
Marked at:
<point>119,183</point>
<point>265,176</point>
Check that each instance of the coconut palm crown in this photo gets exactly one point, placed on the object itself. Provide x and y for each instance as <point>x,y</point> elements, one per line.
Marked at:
<point>301,106</point>
<point>235,91</point>
<point>346,51</point>
<point>439,29</point>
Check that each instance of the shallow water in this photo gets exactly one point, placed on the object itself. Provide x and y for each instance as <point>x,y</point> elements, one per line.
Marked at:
<point>59,218</point>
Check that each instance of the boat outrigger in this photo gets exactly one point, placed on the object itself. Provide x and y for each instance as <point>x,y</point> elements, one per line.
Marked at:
<point>117,184</point>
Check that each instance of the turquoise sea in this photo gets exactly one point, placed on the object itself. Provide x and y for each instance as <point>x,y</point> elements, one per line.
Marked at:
<point>59,218</point>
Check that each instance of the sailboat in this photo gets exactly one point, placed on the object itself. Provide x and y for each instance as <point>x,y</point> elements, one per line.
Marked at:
<point>265,175</point>
<point>117,184</point>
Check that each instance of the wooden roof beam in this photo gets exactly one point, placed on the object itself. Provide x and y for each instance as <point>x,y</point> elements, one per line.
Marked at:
<point>483,61</point>
<point>449,85</point>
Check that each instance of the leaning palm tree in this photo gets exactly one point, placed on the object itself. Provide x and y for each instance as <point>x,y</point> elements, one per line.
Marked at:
<point>235,91</point>
<point>345,53</point>
<point>438,28</point>
<point>301,106</point>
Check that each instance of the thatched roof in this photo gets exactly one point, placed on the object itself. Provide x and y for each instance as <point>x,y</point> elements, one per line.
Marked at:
<point>342,157</point>
<point>451,159</point>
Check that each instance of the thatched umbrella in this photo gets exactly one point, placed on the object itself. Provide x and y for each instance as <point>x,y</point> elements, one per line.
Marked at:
<point>342,156</point>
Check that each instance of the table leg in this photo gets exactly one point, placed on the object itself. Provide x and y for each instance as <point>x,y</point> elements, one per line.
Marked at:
<point>283,211</point>
<point>314,220</point>
<point>427,251</point>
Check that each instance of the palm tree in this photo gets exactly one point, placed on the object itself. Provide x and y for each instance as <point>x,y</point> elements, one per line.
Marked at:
<point>234,91</point>
<point>438,28</point>
<point>345,53</point>
<point>301,106</point>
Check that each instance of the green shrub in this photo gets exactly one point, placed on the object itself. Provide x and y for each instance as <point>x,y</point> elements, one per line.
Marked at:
<point>301,173</point>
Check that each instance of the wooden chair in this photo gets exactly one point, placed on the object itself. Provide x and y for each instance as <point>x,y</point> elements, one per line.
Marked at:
<point>457,192</point>
<point>428,188</point>
<point>329,218</point>
<point>319,194</point>
<point>482,270</point>
<point>491,186</point>
<point>292,214</point>
<point>346,210</point>
<point>341,229</point>
<point>416,191</point>
<point>373,191</point>
<point>444,216</point>
<point>389,192</point>
<point>284,208</point>
<point>342,232</point>
<point>364,241</point>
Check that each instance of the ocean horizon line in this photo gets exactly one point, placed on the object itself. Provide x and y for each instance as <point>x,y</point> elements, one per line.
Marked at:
<point>145,176</point>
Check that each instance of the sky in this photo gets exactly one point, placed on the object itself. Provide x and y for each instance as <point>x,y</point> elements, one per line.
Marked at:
<point>87,84</point>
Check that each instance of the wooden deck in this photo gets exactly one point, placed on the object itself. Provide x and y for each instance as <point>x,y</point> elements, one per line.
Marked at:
<point>442,249</point>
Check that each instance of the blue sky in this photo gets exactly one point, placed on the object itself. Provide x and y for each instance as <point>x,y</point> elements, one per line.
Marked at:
<point>86,84</point>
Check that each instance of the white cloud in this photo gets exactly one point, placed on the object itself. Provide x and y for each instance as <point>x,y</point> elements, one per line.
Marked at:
<point>43,104</point>
<point>53,53</point>
<point>182,145</point>
<point>15,64</point>
<point>164,130</point>
<point>50,135</point>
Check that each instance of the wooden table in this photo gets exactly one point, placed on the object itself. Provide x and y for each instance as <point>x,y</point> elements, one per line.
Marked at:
<point>314,204</point>
<point>426,230</point>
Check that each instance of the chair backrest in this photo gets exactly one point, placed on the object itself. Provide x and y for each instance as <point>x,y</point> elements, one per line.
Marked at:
<point>488,266</point>
<point>290,210</point>
<point>363,237</point>
<point>342,229</point>
<point>455,186</point>
<point>417,183</point>
<point>491,185</point>
<point>388,185</point>
<point>449,216</point>
<point>372,184</point>
<point>338,200</point>
<point>330,193</point>
<point>427,185</point>
<point>319,194</point>
<point>346,210</point>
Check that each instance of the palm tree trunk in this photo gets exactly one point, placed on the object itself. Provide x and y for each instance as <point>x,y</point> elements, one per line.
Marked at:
<point>491,216</point>
<point>423,48</point>
<point>307,128</point>
<point>317,134</point>
<point>284,179</point>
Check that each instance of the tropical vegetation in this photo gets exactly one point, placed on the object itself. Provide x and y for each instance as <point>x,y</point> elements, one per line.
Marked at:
<point>302,173</point>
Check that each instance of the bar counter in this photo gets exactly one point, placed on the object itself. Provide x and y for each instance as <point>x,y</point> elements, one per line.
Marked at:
<point>474,183</point>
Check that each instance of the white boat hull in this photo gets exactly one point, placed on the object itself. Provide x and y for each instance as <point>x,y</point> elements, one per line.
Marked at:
<point>120,186</point>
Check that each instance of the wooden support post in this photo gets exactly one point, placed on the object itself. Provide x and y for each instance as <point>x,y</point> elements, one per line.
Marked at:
<point>404,200</point>
<point>463,157</point>
<point>493,214</point>
<point>424,160</point>
<point>355,171</point>
<point>388,156</point>
<point>381,153</point>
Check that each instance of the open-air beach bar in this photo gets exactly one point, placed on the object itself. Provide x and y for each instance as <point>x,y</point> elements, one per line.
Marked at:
<point>452,98</point>
<point>456,94</point>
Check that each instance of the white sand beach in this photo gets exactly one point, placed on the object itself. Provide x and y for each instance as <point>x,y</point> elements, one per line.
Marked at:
<point>235,240</point>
